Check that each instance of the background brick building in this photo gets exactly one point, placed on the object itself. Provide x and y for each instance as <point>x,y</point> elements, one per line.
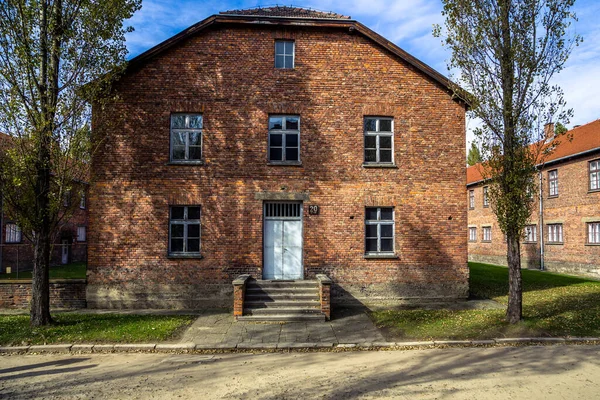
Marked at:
<point>192,163</point>
<point>569,226</point>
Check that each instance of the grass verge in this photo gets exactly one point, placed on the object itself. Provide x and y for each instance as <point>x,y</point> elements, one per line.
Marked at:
<point>75,270</point>
<point>93,328</point>
<point>553,305</point>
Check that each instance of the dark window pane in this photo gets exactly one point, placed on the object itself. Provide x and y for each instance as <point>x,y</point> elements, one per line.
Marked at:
<point>194,138</point>
<point>289,62</point>
<point>195,153</point>
<point>176,245</point>
<point>279,63</point>
<point>387,214</point>
<point>193,212</point>
<point>275,154</point>
<point>279,47</point>
<point>371,231</point>
<point>371,214</point>
<point>291,140</point>
<point>178,121</point>
<point>178,138</point>
<point>276,139</point>
<point>385,125</point>
<point>176,212</point>
<point>387,245</point>
<point>387,231</point>
<point>385,156</point>
<point>275,123</point>
<point>195,121</point>
<point>370,142</point>
<point>178,153</point>
<point>291,123</point>
<point>289,47</point>
<point>193,245</point>
<point>385,142</point>
<point>194,230</point>
<point>370,155</point>
<point>371,245</point>
<point>291,154</point>
<point>176,230</point>
<point>370,124</point>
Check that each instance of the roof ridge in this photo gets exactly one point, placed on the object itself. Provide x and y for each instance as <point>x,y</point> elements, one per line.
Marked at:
<point>283,11</point>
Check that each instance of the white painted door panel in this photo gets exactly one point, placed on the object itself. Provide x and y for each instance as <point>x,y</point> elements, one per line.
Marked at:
<point>292,250</point>
<point>273,268</point>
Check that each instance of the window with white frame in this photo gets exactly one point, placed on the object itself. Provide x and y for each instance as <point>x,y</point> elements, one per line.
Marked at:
<point>379,140</point>
<point>284,139</point>
<point>553,183</point>
<point>595,175</point>
<point>13,233</point>
<point>593,232</point>
<point>471,199</point>
<point>81,234</point>
<point>284,54</point>
<point>379,230</point>
<point>472,234</point>
<point>555,233</point>
<point>186,138</point>
<point>82,200</point>
<point>184,230</point>
<point>486,202</point>
<point>530,233</point>
<point>487,233</point>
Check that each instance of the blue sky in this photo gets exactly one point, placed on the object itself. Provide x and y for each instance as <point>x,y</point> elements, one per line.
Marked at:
<point>407,23</point>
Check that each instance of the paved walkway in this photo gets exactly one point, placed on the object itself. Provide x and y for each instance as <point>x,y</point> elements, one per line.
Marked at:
<point>217,328</point>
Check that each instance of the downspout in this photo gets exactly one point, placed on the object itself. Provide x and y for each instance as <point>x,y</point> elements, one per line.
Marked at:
<point>541,232</point>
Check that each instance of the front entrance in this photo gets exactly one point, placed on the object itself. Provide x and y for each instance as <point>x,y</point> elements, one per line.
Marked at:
<point>65,251</point>
<point>283,241</point>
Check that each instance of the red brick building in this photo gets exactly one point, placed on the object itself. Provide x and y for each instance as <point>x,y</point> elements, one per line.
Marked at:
<point>281,143</point>
<point>566,234</point>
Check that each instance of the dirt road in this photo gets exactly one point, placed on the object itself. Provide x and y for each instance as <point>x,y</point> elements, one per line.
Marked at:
<point>553,372</point>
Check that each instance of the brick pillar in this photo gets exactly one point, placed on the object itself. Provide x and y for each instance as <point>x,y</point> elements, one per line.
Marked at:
<point>325,294</point>
<point>239,291</point>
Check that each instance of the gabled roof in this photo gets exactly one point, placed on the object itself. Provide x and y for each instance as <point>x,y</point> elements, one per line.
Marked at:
<point>285,11</point>
<point>585,139</point>
<point>294,16</point>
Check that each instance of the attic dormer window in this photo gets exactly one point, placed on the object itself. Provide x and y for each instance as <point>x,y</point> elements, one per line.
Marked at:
<point>284,54</point>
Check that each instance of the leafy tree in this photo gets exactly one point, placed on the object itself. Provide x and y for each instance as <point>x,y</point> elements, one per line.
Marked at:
<point>474,155</point>
<point>55,56</point>
<point>507,51</point>
<point>560,129</point>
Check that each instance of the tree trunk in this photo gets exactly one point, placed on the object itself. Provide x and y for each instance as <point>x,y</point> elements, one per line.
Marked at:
<point>40,284</point>
<point>514,312</point>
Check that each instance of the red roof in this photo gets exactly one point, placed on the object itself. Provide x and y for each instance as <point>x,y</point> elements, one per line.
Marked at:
<point>285,12</point>
<point>584,138</point>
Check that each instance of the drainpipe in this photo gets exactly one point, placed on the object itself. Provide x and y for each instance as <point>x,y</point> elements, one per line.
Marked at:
<point>541,232</point>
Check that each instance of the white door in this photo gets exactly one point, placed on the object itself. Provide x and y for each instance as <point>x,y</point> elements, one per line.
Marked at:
<point>65,251</point>
<point>283,241</point>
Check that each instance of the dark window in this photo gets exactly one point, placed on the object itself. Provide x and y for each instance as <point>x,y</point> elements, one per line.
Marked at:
<point>184,230</point>
<point>379,140</point>
<point>284,54</point>
<point>186,137</point>
<point>284,139</point>
<point>13,233</point>
<point>379,230</point>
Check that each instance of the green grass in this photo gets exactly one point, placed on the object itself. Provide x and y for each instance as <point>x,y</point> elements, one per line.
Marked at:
<point>92,328</point>
<point>553,305</point>
<point>75,270</point>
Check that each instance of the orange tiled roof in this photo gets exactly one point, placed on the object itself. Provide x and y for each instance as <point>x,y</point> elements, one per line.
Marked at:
<point>585,137</point>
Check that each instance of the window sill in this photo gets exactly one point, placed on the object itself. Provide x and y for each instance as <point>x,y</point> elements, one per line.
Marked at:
<point>486,241</point>
<point>553,197</point>
<point>186,162</point>
<point>593,244</point>
<point>472,241</point>
<point>185,256</point>
<point>555,243</point>
<point>382,165</point>
<point>594,191</point>
<point>486,206</point>
<point>285,163</point>
<point>529,242</point>
<point>373,256</point>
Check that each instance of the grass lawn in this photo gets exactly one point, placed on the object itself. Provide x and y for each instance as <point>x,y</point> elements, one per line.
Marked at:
<point>75,270</point>
<point>93,328</point>
<point>553,305</point>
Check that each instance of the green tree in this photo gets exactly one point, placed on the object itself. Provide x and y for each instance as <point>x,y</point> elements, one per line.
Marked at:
<point>560,129</point>
<point>55,56</point>
<point>474,155</point>
<point>507,51</point>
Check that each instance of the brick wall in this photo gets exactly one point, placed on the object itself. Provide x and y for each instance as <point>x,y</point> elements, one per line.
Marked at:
<point>63,293</point>
<point>227,74</point>
<point>574,206</point>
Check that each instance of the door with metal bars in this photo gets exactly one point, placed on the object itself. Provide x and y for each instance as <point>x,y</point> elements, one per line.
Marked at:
<point>283,240</point>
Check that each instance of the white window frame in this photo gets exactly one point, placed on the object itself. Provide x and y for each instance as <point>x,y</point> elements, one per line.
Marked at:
<point>284,131</point>
<point>471,199</point>
<point>284,54</point>
<point>486,200</point>
<point>81,234</point>
<point>593,236</point>
<point>379,222</point>
<point>553,183</point>
<point>186,222</point>
<point>186,130</point>
<point>530,234</point>
<point>472,234</point>
<point>82,200</point>
<point>555,233</point>
<point>487,233</point>
<point>377,133</point>
<point>13,233</point>
<point>594,175</point>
